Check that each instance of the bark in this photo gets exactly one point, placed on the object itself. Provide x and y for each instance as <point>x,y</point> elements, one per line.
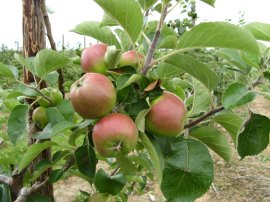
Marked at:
<point>33,41</point>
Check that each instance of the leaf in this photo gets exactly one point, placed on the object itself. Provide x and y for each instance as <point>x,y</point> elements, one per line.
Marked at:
<point>66,109</point>
<point>47,61</point>
<point>140,120</point>
<point>237,94</point>
<point>56,175</point>
<point>126,79</point>
<point>93,29</point>
<point>109,184</point>
<point>62,126</point>
<point>260,31</point>
<point>25,90</point>
<point>16,125</point>
<point>54,115</point>
<point>36,197</point>
<point>188,171</point>
<point>112,56</point>
<point>52,77</point>
<point>107,21</point>
<point>214,139</point>
<point>126,166</point>
<point>26,62</point>
<point>174,86</point>
<point>201,100</point>
<point>255,136</point>
<point>5,71</point>
<point>166,70</point>
<point>86,160</point>
<point>195,68</point>
<point>126,43</point>
<point>231,122</point>
<point>153,155</point>
<point>40,168</point>
<point>146,4</point>
<point>209,2</point>
<point>219,35</point>
<point>32,152</point>
<point>127,13</point>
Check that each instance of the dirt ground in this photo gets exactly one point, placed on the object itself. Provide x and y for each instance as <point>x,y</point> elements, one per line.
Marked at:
<point>238,181</point>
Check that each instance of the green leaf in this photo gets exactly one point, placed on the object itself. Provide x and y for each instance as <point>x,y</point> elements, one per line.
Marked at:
<point>255,136</point>
<point>146,4</point>
<point>209,2</point>
<point>153,155</point>
<point>36,197</point>
<point>126,79</point>
<point>40,168</point>
<point>62,126</point>
<point>219,35</point>
<point>93,29</point>
<point>86,160</point>
<point>52,77</point>
<point>5,193</point>
<point>175,86</point>
<point>260,31</point>
<point>214,139</point>
<point>5,71</point>
<point>188,171</point>
<point>81,128</point>
<point>112,56</point>
<point>54,115</point>
<point>32,152</point>
<point>16,125</point>
<point>140,120</point>
<point>231,122</point>
<point>25,90</point>
<point>26,62</point>
<point>237,94</point>
<point>126,43</point>
<point>195,68</point>
<point>126,166</point>
<point>109,184</point>
<point>66,109</point>
<point>56,175</point>
<point>127,13</point>
<point>107,21</point>
<point>201,100</point>
<point>47,61</point>
<point>166,70</point>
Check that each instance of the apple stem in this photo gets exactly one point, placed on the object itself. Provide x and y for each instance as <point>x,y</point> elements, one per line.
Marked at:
<point>118,146</point>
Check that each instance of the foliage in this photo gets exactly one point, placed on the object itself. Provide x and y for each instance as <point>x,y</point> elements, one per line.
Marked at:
<point>207,65</point>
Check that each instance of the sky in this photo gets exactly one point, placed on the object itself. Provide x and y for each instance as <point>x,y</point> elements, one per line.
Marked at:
<point>69,13</point>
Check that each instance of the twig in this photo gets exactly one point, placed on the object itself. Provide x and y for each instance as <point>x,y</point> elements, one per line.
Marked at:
<point>53,46</point>
<point>27,191</point>
<point>115,171</point>
<point>5,180</point>
<point>154,42</point>
<point>205,116</point>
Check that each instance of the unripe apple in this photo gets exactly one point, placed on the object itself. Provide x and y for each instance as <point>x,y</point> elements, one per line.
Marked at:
<point>166,116</point>
<point>92,59</point>
<point>54,95</point>
<point>101,197</point>
<point>93,96</point>
<point>114,134</point>
<point>131,58</point>
<point>39,117</point>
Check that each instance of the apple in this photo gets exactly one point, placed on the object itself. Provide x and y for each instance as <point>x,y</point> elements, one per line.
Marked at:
<point>166,116</point>
<point>131,58</point>
<point>54,94</point>
<point>114,134</point>
<point>101,197</point>
<point>39,117</point>
<point>92,59</point>
<point>93,96</point>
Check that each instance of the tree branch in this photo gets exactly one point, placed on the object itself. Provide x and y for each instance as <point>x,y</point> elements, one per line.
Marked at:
<point>5,180</point>
<point>205,116</point>
<point>53,46</point>
<point>27,191</point>
<point>154,42</point>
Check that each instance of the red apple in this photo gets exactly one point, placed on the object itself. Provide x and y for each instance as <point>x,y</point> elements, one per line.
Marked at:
<point>131,58</point>
<point>93,96</point>
<point>114,134</point>
<point>92,59</point>
<point>166,116</point>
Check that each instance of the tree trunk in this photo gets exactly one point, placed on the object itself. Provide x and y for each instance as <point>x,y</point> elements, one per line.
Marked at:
<point>33,41</point>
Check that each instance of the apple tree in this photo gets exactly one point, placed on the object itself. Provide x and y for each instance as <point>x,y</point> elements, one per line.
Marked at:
<point>151,105</point>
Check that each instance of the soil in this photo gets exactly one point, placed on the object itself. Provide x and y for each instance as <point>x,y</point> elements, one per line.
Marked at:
<point>247,180</point>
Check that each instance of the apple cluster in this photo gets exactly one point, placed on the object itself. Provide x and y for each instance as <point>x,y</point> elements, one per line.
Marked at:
<point>94,96</point>
<point>50,97</point>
